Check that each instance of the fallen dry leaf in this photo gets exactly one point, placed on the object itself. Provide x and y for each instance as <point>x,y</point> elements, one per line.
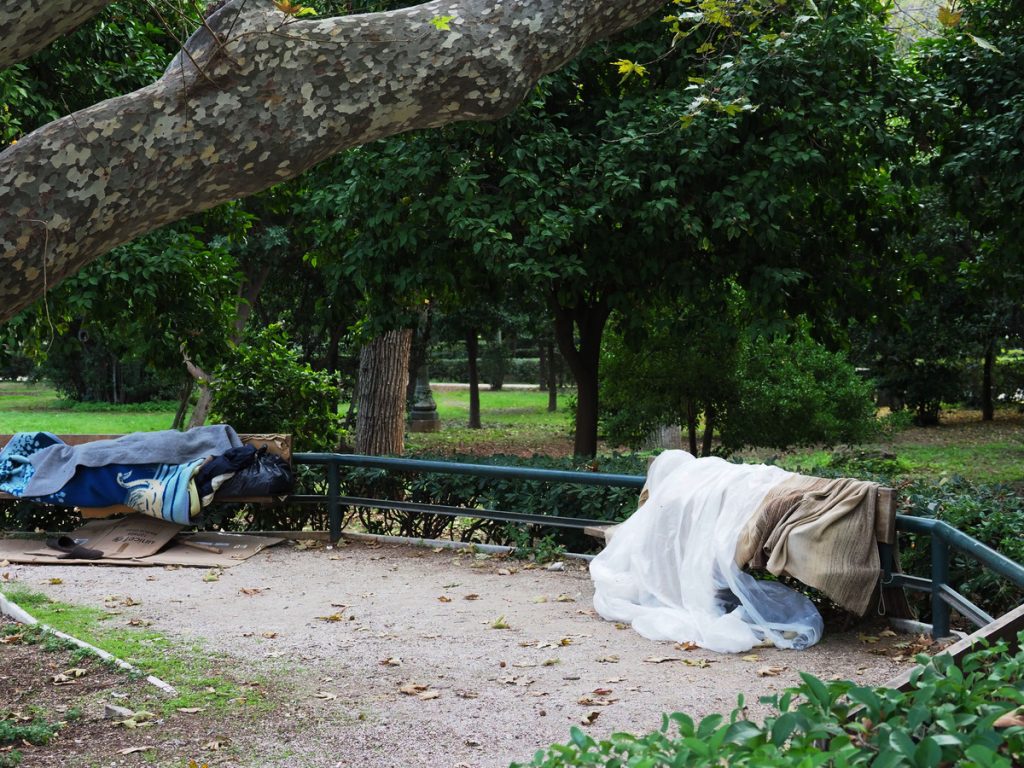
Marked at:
<point>11,639</point>
<point>770,671</point>
<point>1010,719</point>
<point>687,646</point>
<point>56,581</point>
<point>269,635</point>
<point>620,625</point>
<point>504,572</point>
<point>661,659</point>
<point>610,659</point>
<point>215,744</point>
<point>133,750</point>
<point>250,591</point>
<point>413,689</point>
<point>471,596</point>
<point>191,710</point>
<point>550,662</point>
<point>565,599</point>
<point>331,618</point>
<point>428,695</point>
<point>751,657</point>
<point>467,694</point>
<point>138,719</point>
<point>444,599</point>
<point>590,717</point>
<point>867,638</point>
<point>540,599</point>
<point>326,695</point>
<point>391,661</point>
<point>699,663</point>
<point>76,672</point>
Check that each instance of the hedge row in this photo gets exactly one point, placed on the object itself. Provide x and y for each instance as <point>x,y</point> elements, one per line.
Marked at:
<point>951,716</point>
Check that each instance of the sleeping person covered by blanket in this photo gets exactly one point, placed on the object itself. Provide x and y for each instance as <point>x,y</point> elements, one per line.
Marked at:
<point>152,472</point>
<point>674,569</point>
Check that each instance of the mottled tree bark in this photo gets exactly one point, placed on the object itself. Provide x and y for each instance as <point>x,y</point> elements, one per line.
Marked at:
<point>27,26</point>
<point>258,98</point>
<point>383,376</point>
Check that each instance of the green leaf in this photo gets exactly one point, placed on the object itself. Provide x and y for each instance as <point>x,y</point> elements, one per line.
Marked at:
<point>442,23</point>
<point>983,43</point>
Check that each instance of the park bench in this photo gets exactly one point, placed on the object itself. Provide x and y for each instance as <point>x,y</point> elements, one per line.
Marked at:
<point>279,445</point>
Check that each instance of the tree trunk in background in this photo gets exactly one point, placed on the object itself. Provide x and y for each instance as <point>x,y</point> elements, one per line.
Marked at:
<point>472,350</point>
<point>205,400</point>
<point>691,424</point>
<point>988,411</point>
<point>333,349</point>
<point>186,394</point>
<point>584,359</point>
<point>709,430</point>
<point>552,377</point>
<point>248,292</point>
<point>383,379</point>
<point>257,97</point>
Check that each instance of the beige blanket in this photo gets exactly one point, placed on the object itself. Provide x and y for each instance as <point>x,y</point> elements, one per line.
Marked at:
<point>819,531</point>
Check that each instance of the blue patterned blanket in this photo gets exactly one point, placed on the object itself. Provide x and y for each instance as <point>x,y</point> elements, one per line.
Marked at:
<point>132,470</point>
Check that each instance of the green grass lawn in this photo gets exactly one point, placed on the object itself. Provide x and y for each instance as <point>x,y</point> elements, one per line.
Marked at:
<point>38,408</point>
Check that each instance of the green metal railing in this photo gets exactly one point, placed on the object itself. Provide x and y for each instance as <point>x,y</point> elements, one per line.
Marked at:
<point>335,500</point>
<point>944,537</point>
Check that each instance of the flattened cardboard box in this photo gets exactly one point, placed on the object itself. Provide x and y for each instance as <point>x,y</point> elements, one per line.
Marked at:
<point>142,540</point>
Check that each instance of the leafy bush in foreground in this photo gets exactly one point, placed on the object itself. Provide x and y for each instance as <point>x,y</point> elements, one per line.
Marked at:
<point>947,718</point>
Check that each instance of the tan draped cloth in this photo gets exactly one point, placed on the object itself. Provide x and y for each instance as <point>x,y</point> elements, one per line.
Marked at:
<point>819,531</point>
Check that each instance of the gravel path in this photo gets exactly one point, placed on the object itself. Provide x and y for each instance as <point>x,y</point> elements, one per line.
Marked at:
<point>347,629</point>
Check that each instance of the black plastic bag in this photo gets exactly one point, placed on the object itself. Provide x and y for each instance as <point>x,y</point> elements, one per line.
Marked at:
<point>267,475</point>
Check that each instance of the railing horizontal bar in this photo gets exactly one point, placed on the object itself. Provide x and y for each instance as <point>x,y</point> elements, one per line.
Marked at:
<point>484,514</point>
<point>1001,564</point>
<point>479,470</point>
<point>964,607</point>
<point>918,583</point>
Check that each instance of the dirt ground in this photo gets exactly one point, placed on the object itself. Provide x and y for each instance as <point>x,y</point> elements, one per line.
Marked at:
<point>385,656</point>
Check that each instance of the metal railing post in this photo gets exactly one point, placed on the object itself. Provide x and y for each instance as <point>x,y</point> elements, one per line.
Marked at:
<point>940,577</point>
<point>333,507</point>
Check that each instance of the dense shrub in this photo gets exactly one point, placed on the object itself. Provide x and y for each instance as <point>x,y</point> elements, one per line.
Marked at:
<point>946,718</point>
<point>265,387</point>
<point>796,392</point>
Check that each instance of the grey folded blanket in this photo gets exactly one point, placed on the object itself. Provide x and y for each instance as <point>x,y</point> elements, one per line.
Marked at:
<point>56,465</point>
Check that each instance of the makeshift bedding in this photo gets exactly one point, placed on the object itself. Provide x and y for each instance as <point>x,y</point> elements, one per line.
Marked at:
<point>153,472</point>
<point>673,569</point>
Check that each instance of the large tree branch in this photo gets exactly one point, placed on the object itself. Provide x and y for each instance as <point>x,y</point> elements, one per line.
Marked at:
<point>27,26</point>
<point>260,97</point>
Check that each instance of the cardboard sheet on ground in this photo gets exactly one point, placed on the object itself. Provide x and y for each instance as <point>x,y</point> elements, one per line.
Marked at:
<point>140,540</point>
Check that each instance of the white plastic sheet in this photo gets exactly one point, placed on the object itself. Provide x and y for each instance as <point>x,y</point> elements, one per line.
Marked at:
<point>670,569</point>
